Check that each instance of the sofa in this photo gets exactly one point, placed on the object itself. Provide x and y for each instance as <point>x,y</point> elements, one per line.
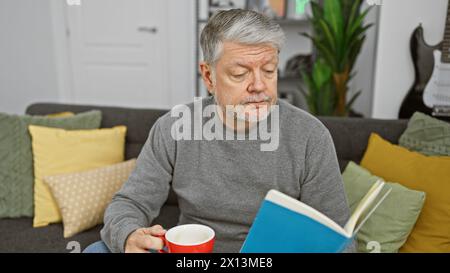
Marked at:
<point>350,136</point>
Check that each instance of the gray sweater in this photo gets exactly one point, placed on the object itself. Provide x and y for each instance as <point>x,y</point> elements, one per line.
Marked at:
<point>221,183</point>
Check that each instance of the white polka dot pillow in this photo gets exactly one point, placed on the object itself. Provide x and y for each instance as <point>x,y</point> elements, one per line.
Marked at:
<point>82,197</point>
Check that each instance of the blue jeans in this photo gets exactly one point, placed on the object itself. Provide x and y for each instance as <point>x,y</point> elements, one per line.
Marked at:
<point>98,247</point>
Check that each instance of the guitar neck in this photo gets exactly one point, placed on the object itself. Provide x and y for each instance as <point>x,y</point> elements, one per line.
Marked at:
<point>446,43</point>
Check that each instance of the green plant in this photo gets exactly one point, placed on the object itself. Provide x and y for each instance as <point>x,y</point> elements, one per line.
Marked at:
<point>320,98</point>
<point>339,33</point>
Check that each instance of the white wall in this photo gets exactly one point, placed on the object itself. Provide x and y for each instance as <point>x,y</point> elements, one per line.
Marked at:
<point>394,68</point>
<point>365,66</point>
<point>27,65</point>
<point>33,70</point>
<point>182,50</point>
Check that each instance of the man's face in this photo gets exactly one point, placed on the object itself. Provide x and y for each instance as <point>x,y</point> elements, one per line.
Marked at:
<point>246,75</point>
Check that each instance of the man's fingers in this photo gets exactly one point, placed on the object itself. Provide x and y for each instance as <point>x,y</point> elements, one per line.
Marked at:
<point>147,239</point>
<point>156,227</point>
<point>155,230</point>
<point>150,242</point>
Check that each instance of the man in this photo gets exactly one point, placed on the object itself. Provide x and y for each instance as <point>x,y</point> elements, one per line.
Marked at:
<point>221,183</point>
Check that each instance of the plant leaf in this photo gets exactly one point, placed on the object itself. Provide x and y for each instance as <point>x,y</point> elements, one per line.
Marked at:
<point>353,12</point>
<point>359,31</point>
<point>358,22</point>
<point>353,99</point>
<point>333,15</point>
<point>355,50</point>
<point>328,35</point>
<point>321,74</point>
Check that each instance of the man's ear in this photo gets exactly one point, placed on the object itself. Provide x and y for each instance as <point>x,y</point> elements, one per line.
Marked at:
<point>206,71</point>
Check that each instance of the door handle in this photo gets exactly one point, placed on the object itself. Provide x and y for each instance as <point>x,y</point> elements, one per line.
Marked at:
<point>151,30</point>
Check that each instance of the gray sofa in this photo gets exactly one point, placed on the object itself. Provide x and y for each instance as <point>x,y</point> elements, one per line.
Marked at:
<point>350,136</point>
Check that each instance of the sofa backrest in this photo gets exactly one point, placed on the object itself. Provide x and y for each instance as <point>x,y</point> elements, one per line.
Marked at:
<point>350,135</point>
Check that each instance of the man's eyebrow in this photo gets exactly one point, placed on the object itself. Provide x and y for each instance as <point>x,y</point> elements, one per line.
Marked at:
<point>238,63</point>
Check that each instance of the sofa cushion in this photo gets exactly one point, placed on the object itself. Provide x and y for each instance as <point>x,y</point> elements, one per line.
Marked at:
<point>430,174</point>
<point>16,164</point>
<point>83,197</point>
<point>18,235</point>
<point>58,151</point>
<point>392,222</point>
<point>61,115</point>
<point>427,135</point>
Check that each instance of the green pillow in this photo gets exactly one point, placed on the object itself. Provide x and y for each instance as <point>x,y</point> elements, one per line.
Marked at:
<point>16,158</point>
<point>392,222</point>
<point>427,135</point>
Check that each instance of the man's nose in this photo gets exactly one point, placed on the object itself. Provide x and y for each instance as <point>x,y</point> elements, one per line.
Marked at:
<point>257,84</point>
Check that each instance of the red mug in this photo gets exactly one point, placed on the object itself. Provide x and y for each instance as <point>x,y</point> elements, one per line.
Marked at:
<point>191,238</point>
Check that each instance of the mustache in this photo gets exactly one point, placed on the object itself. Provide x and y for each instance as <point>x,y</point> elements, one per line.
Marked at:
<point>257,99</point>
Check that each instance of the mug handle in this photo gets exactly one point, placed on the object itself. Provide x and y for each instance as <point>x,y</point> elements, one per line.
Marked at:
<point>163,238</point>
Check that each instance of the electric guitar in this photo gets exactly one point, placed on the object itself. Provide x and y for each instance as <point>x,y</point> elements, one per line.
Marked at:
<point>430,93</point>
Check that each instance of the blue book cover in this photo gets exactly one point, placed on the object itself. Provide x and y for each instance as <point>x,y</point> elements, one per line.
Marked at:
<point>286,225</point>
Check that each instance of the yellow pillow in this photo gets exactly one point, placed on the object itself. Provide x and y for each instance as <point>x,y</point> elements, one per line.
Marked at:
<point>58,151</point>
<point>82,197</point>
<point>61,115</point>
<point>430,174</point>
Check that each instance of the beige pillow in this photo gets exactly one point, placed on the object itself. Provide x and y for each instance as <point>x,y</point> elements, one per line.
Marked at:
<point>58,151</point>
<point>82,197</point>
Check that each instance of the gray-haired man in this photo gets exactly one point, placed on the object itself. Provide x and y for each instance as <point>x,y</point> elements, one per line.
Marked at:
<point>221,183</point>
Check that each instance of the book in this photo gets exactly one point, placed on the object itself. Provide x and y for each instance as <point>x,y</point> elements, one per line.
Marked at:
<point>286,225</point>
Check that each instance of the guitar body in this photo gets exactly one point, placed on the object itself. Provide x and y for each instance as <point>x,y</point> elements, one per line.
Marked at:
<point>437,90</point>
<point>423,59</point>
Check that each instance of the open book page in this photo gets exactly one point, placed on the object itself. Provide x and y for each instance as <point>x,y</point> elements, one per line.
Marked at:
<point>297,206</point>
<point>364,209</point>
<point>377,202</point>
<point>363,206</point>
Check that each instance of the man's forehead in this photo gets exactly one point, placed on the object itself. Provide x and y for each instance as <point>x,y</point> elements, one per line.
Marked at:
<point>245,63</point>
<point>243,55</point>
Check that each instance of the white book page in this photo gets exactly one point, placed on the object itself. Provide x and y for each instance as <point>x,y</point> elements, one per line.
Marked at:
<point>363,221</point>
<point>363,206</point>
<point>299,207</point>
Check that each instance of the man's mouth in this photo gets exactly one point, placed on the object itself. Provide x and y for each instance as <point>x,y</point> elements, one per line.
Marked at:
<point>257,104</point>
<point>257,100</point>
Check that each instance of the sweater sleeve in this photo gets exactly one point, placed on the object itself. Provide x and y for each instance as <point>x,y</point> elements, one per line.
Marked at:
<point>140,199</point>
<point>322,187</point>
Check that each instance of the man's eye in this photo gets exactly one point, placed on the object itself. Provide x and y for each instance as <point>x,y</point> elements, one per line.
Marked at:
<point>240,75</point>
<point>270,71</point>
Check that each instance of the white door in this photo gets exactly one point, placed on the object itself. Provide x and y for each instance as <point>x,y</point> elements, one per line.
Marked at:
<point>118,52</point>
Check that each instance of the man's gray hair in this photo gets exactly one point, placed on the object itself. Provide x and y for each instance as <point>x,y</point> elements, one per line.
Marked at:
<point>240,26</point>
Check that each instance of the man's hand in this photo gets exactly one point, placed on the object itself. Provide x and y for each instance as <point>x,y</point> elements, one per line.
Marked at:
<point>144,239</point>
